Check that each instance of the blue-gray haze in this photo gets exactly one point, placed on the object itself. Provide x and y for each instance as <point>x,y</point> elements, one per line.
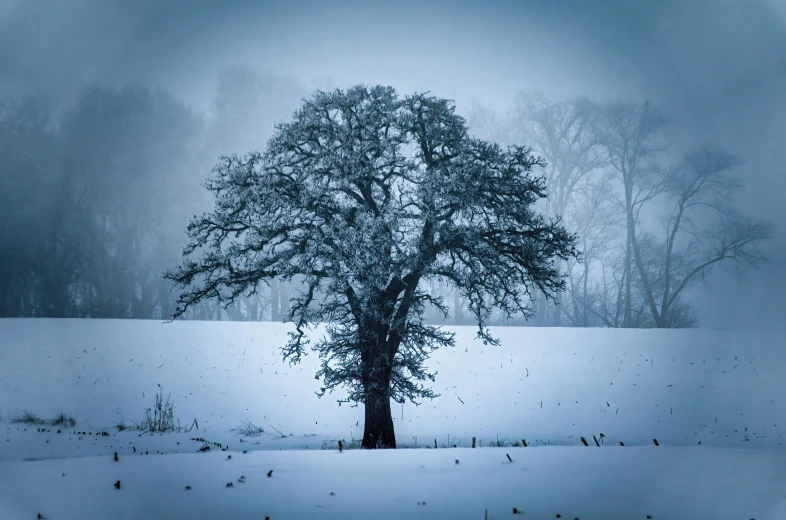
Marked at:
<point>717,68</point>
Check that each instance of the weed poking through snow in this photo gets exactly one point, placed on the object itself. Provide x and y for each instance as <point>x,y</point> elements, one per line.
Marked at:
<point>63,420</point>
<point>160,418</point>
<point>26,417</point>
<point>248,429</point>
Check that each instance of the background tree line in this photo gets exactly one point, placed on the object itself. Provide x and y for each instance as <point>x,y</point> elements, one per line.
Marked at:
<point>95,196</point>
<point>653,222</point>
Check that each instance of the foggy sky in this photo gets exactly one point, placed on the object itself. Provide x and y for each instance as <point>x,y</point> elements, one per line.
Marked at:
<point>717,68</point>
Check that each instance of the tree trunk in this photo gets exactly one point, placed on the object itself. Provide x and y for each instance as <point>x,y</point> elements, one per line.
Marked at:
<point>283,300</point>
<point>628,261</point>
<point>659,317</point>
<point>377,366</point>
<point>585,317</point>
<point>378,429</point>
<point>541,309</point>
<point>165,300</point>
<point>457,309</point>
<point>275,314</point>
<point>235,311</point>
<point>253,308</point>
<point>557,318</point>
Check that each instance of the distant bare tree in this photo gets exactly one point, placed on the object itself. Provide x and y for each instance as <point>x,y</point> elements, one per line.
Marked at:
<point>630,135</point>
<point>562,132</point>
<point>491,125</point>
<point>36,266</point>
<point>126,156</point>
<point>629,276</point>
<point>248,105</point>
<point>702,230</point>
<point>605,293</point>
<point>596,220</point>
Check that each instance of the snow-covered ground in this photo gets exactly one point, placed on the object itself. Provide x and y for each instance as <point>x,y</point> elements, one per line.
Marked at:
<point>674,483</point>
<point>550,386</point>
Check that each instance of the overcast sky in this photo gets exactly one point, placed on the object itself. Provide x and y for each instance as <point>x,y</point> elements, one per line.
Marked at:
<point>717,68</point>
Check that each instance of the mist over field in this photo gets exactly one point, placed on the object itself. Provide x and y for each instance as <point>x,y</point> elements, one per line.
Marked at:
<point>345,259</point>
<point>173,87</point>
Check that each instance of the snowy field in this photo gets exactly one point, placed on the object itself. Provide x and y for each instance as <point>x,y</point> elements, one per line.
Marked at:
<point>724,390</point>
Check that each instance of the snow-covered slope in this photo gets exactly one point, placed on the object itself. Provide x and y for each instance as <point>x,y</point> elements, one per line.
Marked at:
<point>667,483</point>
<point>545,385</point>
<point>551,386</point>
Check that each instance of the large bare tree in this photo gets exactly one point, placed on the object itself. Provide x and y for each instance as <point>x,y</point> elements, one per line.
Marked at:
<point>702,229</point>
<point>562,132</point>
<point>368,196</point>
<point>595,218</point>
<point>631,136</point>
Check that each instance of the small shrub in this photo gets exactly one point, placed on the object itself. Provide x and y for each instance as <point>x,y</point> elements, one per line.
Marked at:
<point>63,420</point>
<point>248,429</point>
<point>502,443</point>
<point>26,417</point>
<point>160,418</point>
<point>121,423</point>
<point>356,444</point>
<point>279,432</point>
<point>353,444</point>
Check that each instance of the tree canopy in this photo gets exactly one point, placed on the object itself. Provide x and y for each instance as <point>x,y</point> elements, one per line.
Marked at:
<point>363,196</point>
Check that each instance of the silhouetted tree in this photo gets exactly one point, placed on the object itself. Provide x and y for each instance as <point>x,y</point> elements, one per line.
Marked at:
<point>244,112</point>
<point>36,266</point>
<point>562,132</point>
<point>595,218</point>
<point>128,158</point>
<point>367,196</point>
<point>702,230</point>
<point>630,134</point>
